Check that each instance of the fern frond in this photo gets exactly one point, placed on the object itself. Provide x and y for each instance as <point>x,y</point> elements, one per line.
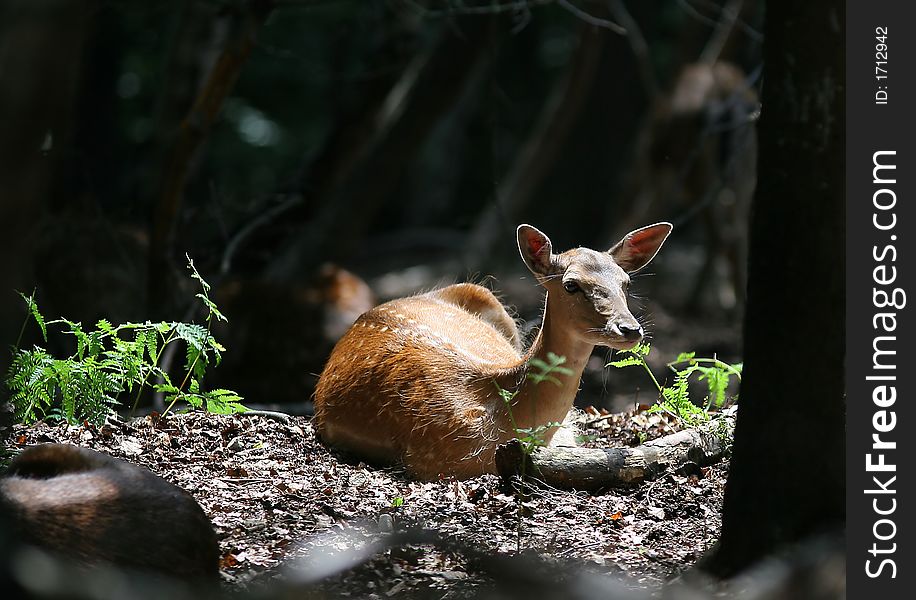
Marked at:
<point>151,337</point>
<point>95,344</point>
<point>717,380</point>
<point>196,275</point>
<point>641,349</point>
<point>195,361</point>
<point>217,349</point>
<point>212,308</point>
<point>224,402</point>
<point>685,357</point>
<point>195,335</point>
<point>626,362</point>
<point>82,338</point>
<point>543,370</point>
<point>36,314</point>
<point>166,388</point>
<point>32,392</point>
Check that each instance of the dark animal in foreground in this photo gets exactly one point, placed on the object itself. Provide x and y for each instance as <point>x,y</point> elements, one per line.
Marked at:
<point>93,509</point>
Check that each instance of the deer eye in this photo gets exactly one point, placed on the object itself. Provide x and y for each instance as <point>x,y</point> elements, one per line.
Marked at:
<point>571,286</point>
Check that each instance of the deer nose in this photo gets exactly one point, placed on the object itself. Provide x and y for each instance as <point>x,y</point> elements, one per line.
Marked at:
<point>630,332</point>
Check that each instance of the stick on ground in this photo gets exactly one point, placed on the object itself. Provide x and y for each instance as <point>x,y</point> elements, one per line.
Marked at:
<point>595,468</point>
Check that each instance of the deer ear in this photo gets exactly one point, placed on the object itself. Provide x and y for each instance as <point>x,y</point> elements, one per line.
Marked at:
<point>639,247</point>
<point>536,249</point>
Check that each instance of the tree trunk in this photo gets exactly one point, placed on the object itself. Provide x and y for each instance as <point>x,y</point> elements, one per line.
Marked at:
<point>792,414</point>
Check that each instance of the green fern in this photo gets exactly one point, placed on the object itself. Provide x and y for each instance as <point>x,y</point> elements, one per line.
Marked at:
<point>28,379</point>
<point>112,360</point>
<point>39,319</point>
<point>675,399</point>
<point>626,362</point>
<point>541,371</point>
<point>717,375</point>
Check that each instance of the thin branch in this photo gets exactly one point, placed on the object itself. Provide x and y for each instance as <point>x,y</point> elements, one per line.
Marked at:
<point>723,30</point>
<point>305,3</point>
<point>638,45</point>
<point>519,6</point>
<point>688,8</point>
<point>489,9</point>
<point>264,218</point>
<point>591,19</point>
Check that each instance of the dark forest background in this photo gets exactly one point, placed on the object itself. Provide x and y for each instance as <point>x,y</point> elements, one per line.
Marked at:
<point>316,156</point>
<point>284,145</point>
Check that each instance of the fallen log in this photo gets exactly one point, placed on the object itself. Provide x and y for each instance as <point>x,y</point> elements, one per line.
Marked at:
<point>595,468</point>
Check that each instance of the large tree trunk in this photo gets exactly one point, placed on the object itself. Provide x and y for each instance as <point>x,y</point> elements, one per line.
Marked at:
<point>791,421</point>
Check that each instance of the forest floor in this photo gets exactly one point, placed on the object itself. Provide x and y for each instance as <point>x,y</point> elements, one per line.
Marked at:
<point>277,496</point>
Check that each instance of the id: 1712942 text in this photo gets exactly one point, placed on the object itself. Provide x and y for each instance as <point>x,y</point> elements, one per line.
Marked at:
<point>881,96</point>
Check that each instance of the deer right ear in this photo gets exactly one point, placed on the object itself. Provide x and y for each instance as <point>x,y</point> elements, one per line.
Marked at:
<point>638,247</point>
<point>536,249</point>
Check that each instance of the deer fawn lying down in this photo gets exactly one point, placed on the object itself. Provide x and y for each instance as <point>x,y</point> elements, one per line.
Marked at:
<point>415,379</point>
<point>93,509</point>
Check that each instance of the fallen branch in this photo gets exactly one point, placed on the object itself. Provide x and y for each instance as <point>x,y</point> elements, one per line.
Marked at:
<point>594,468</point>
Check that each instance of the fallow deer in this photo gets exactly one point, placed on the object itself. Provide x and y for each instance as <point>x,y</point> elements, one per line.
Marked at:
<point>415,380</point>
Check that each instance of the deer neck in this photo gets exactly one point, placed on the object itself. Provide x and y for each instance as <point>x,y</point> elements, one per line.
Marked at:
<point>539,403</point>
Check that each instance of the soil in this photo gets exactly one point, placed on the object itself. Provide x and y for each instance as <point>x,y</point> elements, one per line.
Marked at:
<point>276,496</point>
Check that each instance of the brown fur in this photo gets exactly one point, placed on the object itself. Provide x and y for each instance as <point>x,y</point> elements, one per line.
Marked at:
<point>415,380</point>
<point>94,509</point>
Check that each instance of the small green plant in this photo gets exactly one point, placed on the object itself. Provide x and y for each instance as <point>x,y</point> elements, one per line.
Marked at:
<point>112,360</point>
<point>674,399</point>
<point>540,371</point>
<point>397,502</point>
<point>717,375</point>
<point>532,438</point>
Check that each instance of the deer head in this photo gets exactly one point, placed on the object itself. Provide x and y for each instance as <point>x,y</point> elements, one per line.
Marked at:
<point>587,289</point>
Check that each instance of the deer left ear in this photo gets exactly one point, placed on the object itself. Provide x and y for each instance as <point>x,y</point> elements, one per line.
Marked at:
<point>639,247</point>
<point>535,248</point>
